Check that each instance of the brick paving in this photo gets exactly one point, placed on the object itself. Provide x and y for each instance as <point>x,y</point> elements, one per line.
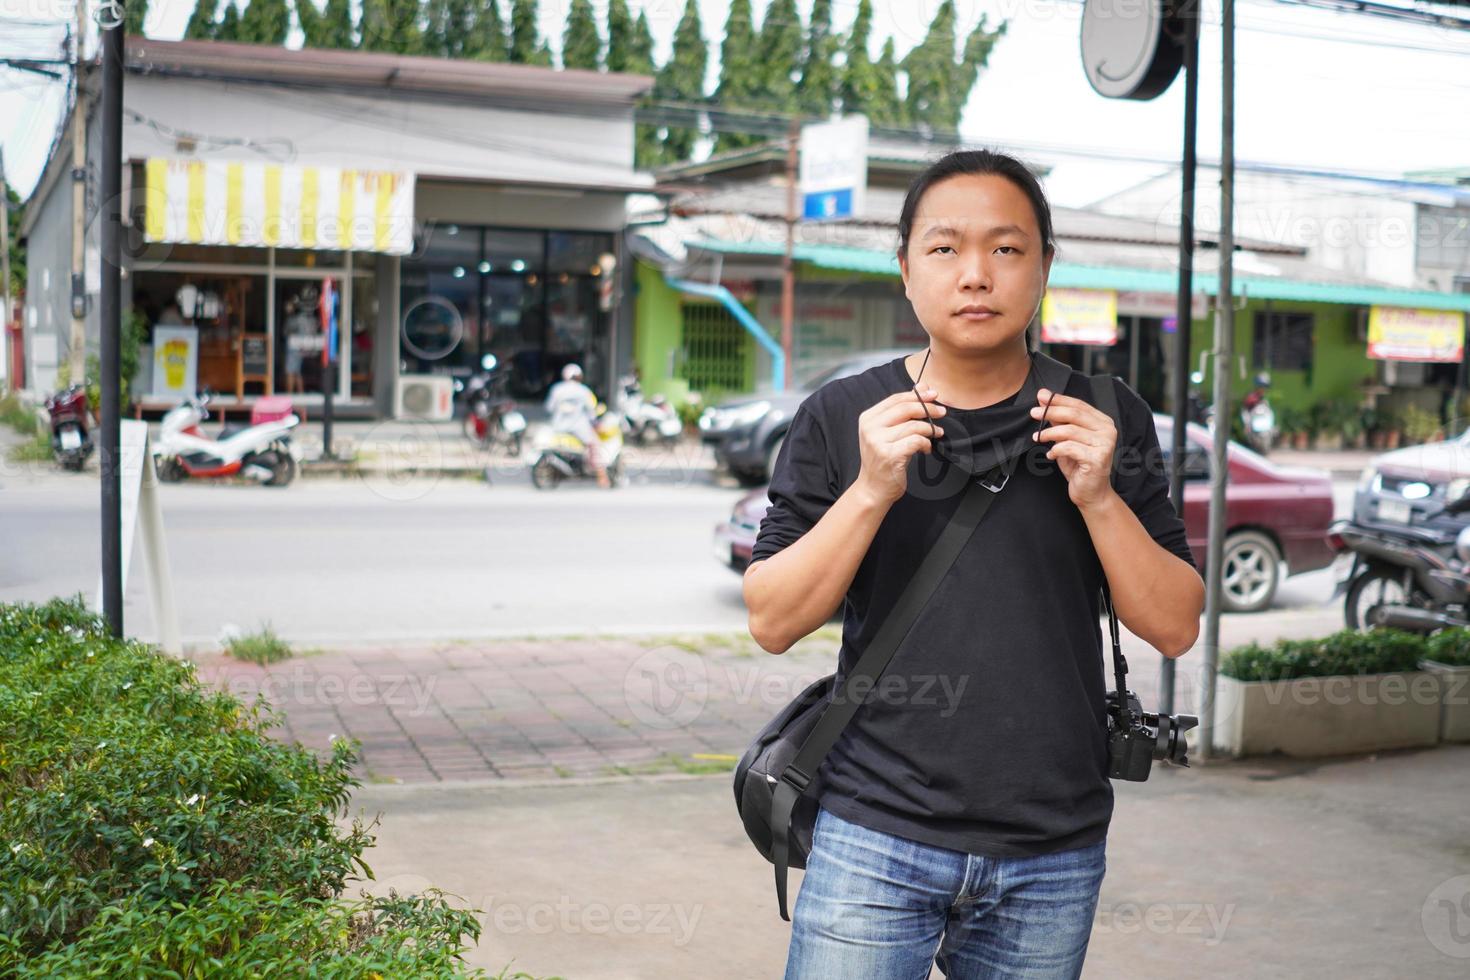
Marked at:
<point>531,709</point>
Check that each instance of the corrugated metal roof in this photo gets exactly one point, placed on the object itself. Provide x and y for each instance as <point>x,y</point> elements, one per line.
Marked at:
<point>1077,276</point>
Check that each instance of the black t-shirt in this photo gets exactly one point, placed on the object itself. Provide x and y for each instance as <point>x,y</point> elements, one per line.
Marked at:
<point>987,732</point>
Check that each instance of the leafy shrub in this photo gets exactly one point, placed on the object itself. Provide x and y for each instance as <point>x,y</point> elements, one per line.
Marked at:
<point>1379,651</point>
<point>1450,647</point>
<point>151,825</point>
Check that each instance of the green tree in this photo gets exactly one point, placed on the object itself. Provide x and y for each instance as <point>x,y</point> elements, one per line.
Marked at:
<point>819,78</point>
<point>740,73</point>
<point>938,84</point>
<point>886,108</point>
<point>526,45</point>
<point>779,50</point>
<point>133,16</point>
<point>630,49</point>
<point>265,22</point>
<point>17,251</point>
<point>228,28</point>
<point>581,45</point>
<point>328,28</point>
<point>201,26</point>
<point>681,79</point>
<point>391,25</point>
<point>486,39</point>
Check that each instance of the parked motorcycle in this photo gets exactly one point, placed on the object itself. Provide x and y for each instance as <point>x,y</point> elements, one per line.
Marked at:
<point>1406,577</point>
<point>646,420</point>
<point>261,451</point>
<point>71,442</point>
<point>561,456</point>
<point>491,417</point>
<point>1257,417</point>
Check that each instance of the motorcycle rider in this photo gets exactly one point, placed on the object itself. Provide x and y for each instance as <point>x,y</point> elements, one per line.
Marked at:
<point>572,407</point>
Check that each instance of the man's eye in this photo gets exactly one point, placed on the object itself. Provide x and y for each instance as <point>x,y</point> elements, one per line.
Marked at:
<point>933,250</point>
<point>1011,248</point>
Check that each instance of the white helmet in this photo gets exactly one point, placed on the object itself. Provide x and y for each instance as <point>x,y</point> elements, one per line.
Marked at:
<point>571,372</point>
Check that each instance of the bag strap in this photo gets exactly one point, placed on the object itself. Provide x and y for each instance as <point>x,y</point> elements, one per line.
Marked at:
<point>1105,397</point>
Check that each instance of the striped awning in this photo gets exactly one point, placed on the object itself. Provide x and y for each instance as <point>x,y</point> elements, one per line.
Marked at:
<point>217,202</point>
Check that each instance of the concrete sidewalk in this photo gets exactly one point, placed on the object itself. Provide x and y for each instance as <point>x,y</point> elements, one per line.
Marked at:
<point>1355,868</point>
<point>492,766</point>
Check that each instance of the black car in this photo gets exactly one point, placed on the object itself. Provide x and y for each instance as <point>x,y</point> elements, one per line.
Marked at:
<point>746,432</point>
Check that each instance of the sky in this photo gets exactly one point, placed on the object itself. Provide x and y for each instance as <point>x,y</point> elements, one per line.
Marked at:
<point>1314,88</point>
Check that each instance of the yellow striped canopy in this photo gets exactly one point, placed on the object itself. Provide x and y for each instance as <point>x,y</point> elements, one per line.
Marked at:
<point>217,202</point>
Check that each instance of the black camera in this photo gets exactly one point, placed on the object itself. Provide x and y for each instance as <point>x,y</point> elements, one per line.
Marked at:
<point>1136,738</point>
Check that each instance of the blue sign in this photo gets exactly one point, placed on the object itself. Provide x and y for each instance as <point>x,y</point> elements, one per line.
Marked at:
<point>827,204</point>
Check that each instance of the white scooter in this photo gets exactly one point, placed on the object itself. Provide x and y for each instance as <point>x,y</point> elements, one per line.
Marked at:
<point>261,451</point>
<point>646,420</point>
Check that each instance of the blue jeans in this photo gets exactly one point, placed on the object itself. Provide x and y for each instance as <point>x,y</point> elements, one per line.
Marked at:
<point>881,907</point>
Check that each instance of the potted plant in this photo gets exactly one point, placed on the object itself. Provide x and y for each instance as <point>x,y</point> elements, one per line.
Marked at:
<point>1293,428</point>
<point>1373,427</point>
<point>1448,658</point>
<point>1392,429</point>
<point>1327,416</point>
<point>1419,425</point>
<point>1352,428</point>
<point>1347,692</point>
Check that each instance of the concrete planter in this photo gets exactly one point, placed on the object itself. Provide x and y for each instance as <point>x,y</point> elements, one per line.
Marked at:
<point>1454,704</point>
<point>1317,716</point>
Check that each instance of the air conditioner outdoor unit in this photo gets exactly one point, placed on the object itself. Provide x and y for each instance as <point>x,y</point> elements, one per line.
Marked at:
<point>424,396</point>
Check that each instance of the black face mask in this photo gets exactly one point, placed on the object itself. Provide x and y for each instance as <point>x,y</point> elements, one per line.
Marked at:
<point>1001,433</point>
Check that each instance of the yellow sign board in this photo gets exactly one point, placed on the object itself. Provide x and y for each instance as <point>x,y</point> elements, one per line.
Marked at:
<point>1399,334</point>
<point>1080,316</point>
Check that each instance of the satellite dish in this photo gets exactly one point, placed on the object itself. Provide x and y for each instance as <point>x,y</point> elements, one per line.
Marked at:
<point>1131,49</point>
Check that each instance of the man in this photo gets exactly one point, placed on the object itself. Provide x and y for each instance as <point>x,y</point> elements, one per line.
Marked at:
<point>572,407</point>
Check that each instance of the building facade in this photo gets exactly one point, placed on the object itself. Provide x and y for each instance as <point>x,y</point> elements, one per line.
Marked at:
<point>433,211</point>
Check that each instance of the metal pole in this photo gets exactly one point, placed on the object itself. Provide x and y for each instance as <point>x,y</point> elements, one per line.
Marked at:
<point>77,354</point>
<point>4,262</point>
<point>1224,360</point>
<point>110,321</point>
<point>329,381</point>
<point>1183,310</point>
<point>788,267</point>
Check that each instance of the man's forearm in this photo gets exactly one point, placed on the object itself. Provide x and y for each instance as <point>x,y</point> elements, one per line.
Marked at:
<point>1156,594</point>
<point>797,589</point>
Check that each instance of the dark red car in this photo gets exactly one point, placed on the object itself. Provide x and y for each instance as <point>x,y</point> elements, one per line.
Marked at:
<point>1277,520</point>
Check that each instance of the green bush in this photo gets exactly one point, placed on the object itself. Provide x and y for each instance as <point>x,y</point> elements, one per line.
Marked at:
<point>1450,647</point>
<point>152,826</point>
<point>1379,651</point>
<point>261,647</point>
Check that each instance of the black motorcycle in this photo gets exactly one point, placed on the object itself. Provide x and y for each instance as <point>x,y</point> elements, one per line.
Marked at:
<point>1404,576</point>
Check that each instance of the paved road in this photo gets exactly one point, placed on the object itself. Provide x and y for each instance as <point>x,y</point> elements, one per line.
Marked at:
<point>412,556</point>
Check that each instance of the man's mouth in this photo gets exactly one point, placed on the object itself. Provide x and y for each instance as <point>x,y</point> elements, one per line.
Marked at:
<point>977,311</point>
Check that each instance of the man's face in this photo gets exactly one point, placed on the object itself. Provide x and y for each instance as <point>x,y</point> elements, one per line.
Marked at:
<point>975,269</point>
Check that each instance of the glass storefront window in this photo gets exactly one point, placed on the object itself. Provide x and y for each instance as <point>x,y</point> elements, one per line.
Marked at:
<point>224,307</point>
<point>517,252</point>
<point>438,320</point>
<point>513,329</point>
<point>364,329</point>
<point>576,252</point>
<point>447,244</point>
<point>305,258</point>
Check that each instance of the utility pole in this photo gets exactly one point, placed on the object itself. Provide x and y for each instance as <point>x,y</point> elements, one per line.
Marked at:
<point>1224,362</point>
<point>788,266</point>
<point>1183,310</point>
<point>78,341</point>
<point>109,317</point>
<point>4,260</point>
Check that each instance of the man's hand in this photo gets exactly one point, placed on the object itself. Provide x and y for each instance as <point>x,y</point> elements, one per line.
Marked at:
<point>1083,440</point>
<point>889,434</point>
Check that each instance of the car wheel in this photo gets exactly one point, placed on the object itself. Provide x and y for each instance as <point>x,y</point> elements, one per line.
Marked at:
<point>772,453</point>
<point>1251,573</point>
<point>1373,588</point>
